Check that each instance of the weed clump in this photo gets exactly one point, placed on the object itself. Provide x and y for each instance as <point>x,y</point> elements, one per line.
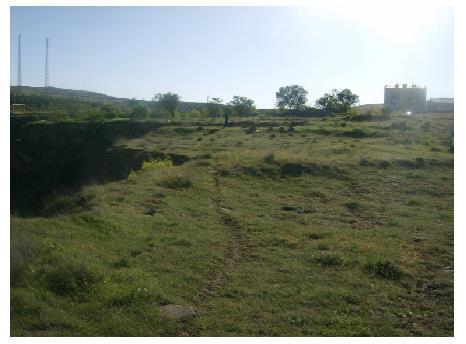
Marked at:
<point>315,236</point>
<point>402,126</point>
<point>353,206</point>
<point>150,165</point>
<point>269,158</point>
<point>383,268</point>
<point>57,204</point>
<point>177,182</point>
<point>358,133</point>
<point>205,156</point>
<point>68,278</point>
<point>121,263</point>
<point>156,163</point>
<point>329,260</point>
<point>322,247</point>
<point>22,252</point>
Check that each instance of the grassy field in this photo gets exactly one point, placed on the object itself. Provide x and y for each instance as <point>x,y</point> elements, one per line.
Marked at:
<point>329,228</point>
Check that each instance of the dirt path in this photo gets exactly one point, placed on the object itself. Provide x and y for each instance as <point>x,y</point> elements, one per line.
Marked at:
<point>235,251</point>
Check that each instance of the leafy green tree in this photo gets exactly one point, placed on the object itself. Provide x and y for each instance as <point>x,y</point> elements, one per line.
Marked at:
<point>338,101</point>
<point>293,97</point>
<point>110,111</point>
<point>242,105</point>
<point>139,111</point>
<point>167,101</point>
<point>215,107</point>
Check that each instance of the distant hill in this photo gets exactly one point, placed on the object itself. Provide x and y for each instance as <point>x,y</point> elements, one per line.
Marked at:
<point>89,96</point>
<point>62,92</point>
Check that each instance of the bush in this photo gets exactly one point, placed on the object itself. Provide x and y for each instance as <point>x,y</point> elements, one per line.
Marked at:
<point>383,268</point>
<point>178,182</point>
<point>139,112</point>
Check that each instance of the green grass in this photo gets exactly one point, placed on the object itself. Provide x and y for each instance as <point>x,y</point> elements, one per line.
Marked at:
<point>352,264</point>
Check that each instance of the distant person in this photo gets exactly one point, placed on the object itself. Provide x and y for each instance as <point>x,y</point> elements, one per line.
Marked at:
<point>227,118</point>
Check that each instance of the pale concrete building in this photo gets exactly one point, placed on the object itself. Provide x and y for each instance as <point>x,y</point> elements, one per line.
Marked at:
<point>405,98</point>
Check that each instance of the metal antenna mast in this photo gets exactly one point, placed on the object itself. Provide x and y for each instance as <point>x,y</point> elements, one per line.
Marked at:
<point>20,77</point>
<point>46,82</point>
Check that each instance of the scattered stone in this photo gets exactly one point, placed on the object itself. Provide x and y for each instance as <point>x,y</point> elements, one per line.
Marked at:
<point>448,269</point>
<point>432,285</point>
<point>178,311</point>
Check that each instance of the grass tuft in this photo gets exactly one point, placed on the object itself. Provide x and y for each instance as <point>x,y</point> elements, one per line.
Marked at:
<point>383,268</point>
<point>177,182</point>
<point>329,260</point>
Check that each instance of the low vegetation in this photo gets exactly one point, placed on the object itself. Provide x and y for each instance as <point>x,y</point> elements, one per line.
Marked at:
<point>336,227</point>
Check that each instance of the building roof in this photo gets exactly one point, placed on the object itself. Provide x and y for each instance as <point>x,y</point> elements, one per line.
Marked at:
<point>442,100</point>
<point>405,86</point>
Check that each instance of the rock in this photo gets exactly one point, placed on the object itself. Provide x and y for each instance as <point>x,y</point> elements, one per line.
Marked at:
<point>449,269</point>
<point>178,311</point>
<point>432,285</point>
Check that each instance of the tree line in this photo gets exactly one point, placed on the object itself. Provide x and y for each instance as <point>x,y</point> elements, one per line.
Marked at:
<point>290,100</point>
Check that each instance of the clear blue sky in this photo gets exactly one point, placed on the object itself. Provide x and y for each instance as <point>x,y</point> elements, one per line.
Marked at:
<point>228,51</point>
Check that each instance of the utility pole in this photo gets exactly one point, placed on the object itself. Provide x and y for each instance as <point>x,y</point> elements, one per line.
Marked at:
<point>46,81</point>
<point>20,77</point>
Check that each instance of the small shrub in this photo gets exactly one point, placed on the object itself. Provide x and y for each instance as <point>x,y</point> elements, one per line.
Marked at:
<point>315,236</point>
<point>426,126</point>
<point>329,260</point>
<point>22,252</point>
<point>353,206</point>
<point>413,202</point>
<point>205,156</point>
<point>67,278</point>
<point>61,203</point>
<point>156,163</point>
<point>400,126</point>
<point>351,299</point>
<point>177,182</point>
<point>357,132</point>
<point>132,174</point>
<point>383,268</point>
<point>136,296</point>
<point>383,164</point>
<point>135,253</point>
<point>202,163</point>
<point>269,158</point>
<point>121,263</point>
<point>182,242</point>
<point>322,247</point>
